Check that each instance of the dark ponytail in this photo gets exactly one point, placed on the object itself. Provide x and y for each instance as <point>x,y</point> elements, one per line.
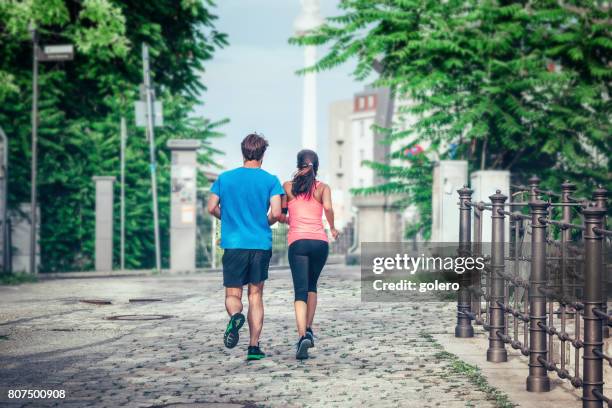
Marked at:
<point>305,177</point>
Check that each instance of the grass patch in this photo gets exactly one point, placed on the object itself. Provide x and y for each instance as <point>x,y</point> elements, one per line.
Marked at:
<point>459,368</point>
<point>17,279</point>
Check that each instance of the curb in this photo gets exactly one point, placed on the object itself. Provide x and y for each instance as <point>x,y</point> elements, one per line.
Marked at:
<point>133,273</point>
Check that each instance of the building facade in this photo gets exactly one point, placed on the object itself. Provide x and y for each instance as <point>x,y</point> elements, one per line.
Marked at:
<point>353,139</point>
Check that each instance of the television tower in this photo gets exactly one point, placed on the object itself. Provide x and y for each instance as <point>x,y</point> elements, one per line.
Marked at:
<point>309,19</point>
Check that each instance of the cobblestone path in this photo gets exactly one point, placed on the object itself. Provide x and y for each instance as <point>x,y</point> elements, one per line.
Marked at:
<point>367,354</point>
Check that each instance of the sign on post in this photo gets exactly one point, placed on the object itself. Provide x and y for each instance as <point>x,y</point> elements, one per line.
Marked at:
<point>141,114</point>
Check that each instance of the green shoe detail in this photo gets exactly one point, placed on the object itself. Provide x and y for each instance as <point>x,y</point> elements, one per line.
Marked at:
<point>255,353</point>
<point>231,336</point>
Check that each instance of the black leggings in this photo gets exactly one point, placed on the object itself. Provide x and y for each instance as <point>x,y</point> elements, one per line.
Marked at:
<point>306,259</point>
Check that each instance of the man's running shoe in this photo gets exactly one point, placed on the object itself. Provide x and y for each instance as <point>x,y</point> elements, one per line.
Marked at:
<point>310,335</point>
<point>302,348</point>
<point>231,336</point>
<point>255,353</point>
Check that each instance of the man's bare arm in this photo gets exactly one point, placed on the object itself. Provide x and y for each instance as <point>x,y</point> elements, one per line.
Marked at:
<point>213,206</point>
<point>275,209</point>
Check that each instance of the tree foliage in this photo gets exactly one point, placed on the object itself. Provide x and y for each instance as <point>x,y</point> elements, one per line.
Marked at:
<point>516,85</point>
<point>81,103</point>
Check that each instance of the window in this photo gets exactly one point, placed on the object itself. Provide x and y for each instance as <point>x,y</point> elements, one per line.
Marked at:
<point>362,102</point>
<point>371,101</point>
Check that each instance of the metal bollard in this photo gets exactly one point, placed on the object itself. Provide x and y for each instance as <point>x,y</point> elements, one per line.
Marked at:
<point>534,183</point>
<point>593,339</point>
<point>477,250</point>
<point>600,196</point>
<point>538,380</point>
<point>464,323</point>
<point>497,350</point>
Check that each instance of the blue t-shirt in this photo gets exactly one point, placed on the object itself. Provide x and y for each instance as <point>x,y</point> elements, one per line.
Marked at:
<point>244,200</point>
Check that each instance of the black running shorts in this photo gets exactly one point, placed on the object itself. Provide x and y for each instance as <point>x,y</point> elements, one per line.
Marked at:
<point>243,266</point>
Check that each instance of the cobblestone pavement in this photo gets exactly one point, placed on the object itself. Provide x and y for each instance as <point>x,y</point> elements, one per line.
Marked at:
<point>368,354</point>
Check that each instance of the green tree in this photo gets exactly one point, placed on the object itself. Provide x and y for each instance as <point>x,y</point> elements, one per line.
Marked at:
<point>515,85</point>
<point>81,103</point>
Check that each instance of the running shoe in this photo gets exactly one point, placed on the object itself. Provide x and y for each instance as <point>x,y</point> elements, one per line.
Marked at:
<point>255,353</point>
<point>310,335</point>
<point>302,347</point>
<point>231,336</point>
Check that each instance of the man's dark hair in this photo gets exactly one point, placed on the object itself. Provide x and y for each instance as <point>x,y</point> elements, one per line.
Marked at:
<point>253,147</point>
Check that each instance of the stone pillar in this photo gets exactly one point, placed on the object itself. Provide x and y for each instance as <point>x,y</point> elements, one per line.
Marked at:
<point>20,239</point>
<point>449,176</point>
<point>378,220</point>
<point>104,222</point>
<point>183,204</point>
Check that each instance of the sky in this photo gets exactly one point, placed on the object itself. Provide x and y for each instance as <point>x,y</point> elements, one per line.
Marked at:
<point>253,82</point>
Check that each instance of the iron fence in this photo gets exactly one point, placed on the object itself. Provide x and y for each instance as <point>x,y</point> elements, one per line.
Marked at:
<point>545,292</point>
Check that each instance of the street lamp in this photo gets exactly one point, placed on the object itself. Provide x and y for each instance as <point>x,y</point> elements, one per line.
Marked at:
<point>49,53</point>
<point>149,115</point>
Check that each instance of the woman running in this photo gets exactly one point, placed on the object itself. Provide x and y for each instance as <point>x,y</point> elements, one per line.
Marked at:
<point>305,200</point>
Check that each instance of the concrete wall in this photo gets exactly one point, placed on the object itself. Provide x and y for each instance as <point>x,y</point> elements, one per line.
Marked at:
<point>449,176</point>
<point>377,220</point>
<point>485,183</point>
<point>21,239</point>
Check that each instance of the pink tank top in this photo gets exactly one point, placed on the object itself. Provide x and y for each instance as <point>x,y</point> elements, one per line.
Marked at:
<point>305,219</point>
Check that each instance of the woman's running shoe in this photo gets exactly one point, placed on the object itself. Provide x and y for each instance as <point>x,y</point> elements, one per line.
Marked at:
<point>302,347</point>
<point>310,335</point>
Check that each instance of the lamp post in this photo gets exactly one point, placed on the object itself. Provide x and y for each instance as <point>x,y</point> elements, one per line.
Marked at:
<point>149,115</point>
<point>122,176</point>
<point>49,53</point>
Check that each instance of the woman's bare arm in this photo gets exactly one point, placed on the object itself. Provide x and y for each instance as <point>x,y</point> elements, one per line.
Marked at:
<point>329,211</point>
<point>284,218</point>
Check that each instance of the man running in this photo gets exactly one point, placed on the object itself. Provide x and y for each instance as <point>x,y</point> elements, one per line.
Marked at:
<point>240,198</point>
